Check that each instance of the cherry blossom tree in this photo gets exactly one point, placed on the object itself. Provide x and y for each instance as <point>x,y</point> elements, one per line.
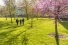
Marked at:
<point>55,7</point>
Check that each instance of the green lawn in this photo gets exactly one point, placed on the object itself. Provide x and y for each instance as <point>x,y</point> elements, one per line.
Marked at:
<point>11,34</point>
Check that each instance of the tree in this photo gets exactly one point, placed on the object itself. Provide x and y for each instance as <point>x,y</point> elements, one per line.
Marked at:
<point>25,2</point>
<point>1,11</point>
<point>55,7</point>
<point>5,12</point>
<point>10,7</point>
<point>30,11</point>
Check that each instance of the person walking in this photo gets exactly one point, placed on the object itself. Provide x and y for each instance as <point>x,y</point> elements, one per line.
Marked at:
<point>23,21</point>
<point>20,21</point>
<point>17,21</point>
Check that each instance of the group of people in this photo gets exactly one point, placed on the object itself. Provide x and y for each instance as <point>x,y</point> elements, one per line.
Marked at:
<point>21,21</point>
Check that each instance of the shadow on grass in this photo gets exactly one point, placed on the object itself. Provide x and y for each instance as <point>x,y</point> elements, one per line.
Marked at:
<point>5,34</point>
<point>57,37</point>
<point>56,33</point>
<point>13,40</point>
<point>25,40</point>
<point>9,29</point>
<point>65,24</point>
<point>12,26</point>
<point>3,24</point>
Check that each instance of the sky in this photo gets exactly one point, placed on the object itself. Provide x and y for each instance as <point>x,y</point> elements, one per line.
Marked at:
<point>1,2</point>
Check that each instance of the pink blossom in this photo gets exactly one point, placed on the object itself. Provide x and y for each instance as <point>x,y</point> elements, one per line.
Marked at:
<point>51,6</point>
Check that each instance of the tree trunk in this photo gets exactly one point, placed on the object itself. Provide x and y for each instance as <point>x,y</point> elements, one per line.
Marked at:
<point>14,17</point>
<point>6,17</point>
<point>11,17</point>
<point>56,30</point>
<point>27,17</point>
<point>27,14</point>
<point>37,16</point>
<point>31,22</point>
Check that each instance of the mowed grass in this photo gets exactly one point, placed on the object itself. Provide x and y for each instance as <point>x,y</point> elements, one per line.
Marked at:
<point>11,34</point>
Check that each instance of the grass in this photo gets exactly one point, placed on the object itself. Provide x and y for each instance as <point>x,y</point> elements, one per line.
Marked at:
<point>11,34</point>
